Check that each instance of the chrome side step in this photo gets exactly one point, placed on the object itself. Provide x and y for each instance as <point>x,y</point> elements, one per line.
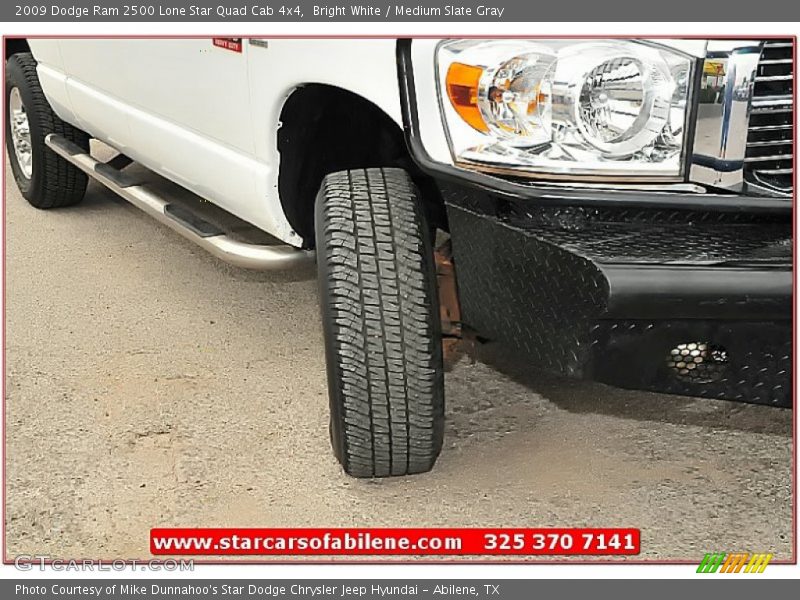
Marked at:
<point>193,227</point>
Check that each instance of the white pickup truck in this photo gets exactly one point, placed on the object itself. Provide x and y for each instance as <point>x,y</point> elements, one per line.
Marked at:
<point>615,208</point>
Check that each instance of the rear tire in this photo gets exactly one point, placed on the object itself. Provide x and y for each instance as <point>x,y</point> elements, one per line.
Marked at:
<point>47,181</point>
<point>380,317</point>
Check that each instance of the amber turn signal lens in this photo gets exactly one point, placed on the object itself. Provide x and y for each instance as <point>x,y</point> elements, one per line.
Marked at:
<point>462,89</point>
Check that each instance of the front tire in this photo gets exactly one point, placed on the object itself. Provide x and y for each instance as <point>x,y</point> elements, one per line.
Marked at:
<point>45,179</point>
<point>381,323</point>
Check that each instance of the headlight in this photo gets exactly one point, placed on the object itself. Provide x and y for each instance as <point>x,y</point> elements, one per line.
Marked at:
<point>602,109</point>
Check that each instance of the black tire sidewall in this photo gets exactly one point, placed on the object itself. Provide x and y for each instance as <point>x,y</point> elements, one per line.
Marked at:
<point>323,279</point>
<point>30,188</point>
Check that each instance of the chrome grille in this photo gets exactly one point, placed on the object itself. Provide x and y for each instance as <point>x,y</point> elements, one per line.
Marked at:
<point>768,159</point>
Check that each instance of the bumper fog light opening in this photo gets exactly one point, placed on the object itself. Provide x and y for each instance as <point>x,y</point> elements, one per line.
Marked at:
<point>698,362</point>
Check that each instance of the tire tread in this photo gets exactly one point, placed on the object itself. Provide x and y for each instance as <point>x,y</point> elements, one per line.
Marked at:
<point>380,311</point>
<point>60,183</point>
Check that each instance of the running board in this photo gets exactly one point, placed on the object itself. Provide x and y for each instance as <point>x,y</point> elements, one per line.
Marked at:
<point>191,226</point>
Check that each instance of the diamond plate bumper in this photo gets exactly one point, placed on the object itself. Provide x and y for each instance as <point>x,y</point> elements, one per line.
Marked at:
<point>674,301</point>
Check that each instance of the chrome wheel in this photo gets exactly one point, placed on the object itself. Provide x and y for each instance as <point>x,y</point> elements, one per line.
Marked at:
<point>20,133</point>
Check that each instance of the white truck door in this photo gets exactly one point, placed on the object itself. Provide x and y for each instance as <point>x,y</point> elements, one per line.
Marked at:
<point>179,106</point>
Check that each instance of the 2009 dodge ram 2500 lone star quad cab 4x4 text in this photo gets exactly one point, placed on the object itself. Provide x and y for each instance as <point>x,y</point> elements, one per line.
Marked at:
<point>618,209</point>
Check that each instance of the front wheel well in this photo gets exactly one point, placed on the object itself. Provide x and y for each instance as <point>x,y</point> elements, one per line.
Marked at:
<point>325,129</point>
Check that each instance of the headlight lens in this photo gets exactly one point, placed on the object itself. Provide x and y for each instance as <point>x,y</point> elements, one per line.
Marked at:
<point>602,109</point>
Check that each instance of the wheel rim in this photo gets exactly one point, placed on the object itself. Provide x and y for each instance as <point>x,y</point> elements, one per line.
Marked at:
<point>20,133</point>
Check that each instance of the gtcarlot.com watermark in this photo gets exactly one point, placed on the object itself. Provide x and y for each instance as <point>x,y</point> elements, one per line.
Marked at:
<point>27,562</point>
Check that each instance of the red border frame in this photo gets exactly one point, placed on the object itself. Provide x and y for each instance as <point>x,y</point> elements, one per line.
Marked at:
<point>459,560</point>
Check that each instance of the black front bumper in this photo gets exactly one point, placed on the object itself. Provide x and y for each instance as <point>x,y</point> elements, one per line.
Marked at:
<point>684,302</point>
<point>674,292</point>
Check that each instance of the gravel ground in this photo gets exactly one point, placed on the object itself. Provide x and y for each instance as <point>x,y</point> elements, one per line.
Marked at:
<point>149,384</point>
